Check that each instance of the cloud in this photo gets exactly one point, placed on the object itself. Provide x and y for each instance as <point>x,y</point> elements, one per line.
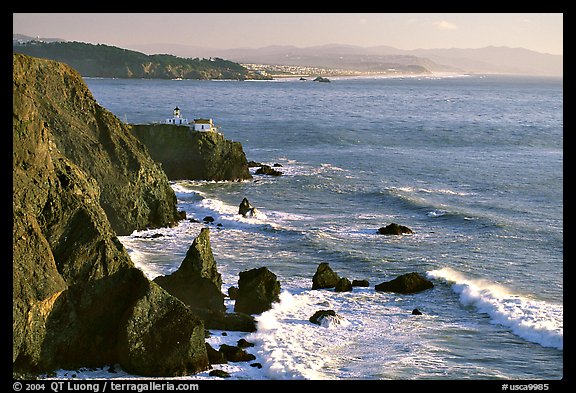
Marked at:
<point>445,25</point>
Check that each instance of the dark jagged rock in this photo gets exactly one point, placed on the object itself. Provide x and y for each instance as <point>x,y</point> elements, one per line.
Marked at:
<point>174,335</point>
<point>267,170</point>
<point>253,164</point>
<point>246,209</point>
<point>219,373</point>
<point>188,154</point>
<point>214,356</point>
<point>324,277</point>
<point>242,343</point>
<point>406,284</point>
<point>360,283</point>
<point>136,193</point>
<point>416,312</point>
<point>233,321</point>
<point>394,229</point>
<point>197,281</point>
<point>321,79</point>
<point>78,300</point>
<point>233,292</point>
<point>325,318</point>
<point>343,285</point>
<point>235,354</point>
<point>257,290</point>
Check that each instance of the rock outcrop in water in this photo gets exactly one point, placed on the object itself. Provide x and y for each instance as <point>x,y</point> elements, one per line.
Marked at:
<point>197,281</point>
<point>406,284</point>
<point>80,178</point>
<point>198,284</point>
<point>257,290</point>
<point>194,155</point>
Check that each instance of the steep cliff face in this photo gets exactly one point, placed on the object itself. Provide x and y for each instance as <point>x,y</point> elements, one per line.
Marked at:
<point>52,97</point>
<point>188,154</point>
<point>78,300</point>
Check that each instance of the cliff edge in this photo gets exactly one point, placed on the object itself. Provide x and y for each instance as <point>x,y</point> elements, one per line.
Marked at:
<point>79,177</point>
<point>194,155</point>
<point>52,97</point>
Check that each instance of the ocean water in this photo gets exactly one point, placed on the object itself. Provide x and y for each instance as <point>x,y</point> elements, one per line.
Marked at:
<point>472,164</point>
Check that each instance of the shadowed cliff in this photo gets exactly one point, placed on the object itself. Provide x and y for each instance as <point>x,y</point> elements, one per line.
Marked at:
<point>188,154</point>
<point>80,178</point>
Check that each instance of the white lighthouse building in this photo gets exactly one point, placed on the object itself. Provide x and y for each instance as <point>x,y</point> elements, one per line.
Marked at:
<point>177,118</point>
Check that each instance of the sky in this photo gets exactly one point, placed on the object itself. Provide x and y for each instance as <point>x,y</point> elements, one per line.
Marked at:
<point>541,32</point>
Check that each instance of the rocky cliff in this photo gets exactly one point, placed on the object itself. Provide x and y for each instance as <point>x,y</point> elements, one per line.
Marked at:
<point>52,98</point>
<point>79,178</point>
<point>188,154</point>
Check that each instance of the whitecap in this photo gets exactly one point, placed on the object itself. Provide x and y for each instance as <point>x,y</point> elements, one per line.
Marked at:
<point>533,320</point>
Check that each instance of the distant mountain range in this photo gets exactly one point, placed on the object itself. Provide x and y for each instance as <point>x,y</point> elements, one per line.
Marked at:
<point>488,60</point>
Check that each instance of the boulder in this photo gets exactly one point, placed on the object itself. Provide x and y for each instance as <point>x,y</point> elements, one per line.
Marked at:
<point>246,209</point>
<point>406,284</point>
<point>267,170</point>
<point>394,229</point>
<point>214,356</point>
<point>324,277</point>
<point>318,315</point>
<point>360,283</point>
<point>197,282</point>
<point>257,290</point>
<point>161,327</point>
<point>235,354</point>
<point>343,285</point>
<point>242,343</point>
<point>219,373</point>
<point>219,320</point>
<point>416,312</point>
<point>233,292</point>
<point>326,318</point>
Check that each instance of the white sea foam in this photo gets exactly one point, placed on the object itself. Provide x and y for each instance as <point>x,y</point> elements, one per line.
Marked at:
<point>291,346</point>
<point>533,320</point>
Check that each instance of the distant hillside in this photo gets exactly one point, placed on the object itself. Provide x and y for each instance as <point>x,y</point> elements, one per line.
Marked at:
<point>112,62</point>
<point>492,60</point>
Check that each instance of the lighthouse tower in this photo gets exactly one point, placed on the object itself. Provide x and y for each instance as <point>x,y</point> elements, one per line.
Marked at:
<point>177,118</point>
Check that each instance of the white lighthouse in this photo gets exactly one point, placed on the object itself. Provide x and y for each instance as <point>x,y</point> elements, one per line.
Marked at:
<point>177,118</point>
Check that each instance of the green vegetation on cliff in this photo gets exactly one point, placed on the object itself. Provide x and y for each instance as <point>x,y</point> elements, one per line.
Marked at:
<point>188,154</point>
<point>112,62</point>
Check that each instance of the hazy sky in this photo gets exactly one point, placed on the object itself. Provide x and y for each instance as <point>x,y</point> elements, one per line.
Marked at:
<point>539,32</point>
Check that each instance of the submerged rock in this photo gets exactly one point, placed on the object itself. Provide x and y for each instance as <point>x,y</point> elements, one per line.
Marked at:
<point>406,284</point>
<point>219,373</point>
<point>235,354</point>
<point>394,229</point>
<point>326,318</point>
<point>268,170</point>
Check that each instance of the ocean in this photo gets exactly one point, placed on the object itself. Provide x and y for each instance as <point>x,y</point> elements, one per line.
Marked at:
<point>472,164</point>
